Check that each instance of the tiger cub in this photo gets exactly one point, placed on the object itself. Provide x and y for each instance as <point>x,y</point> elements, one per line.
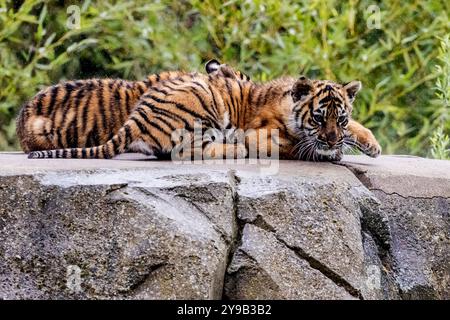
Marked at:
<point>87,113</point>
<point>313,118</point>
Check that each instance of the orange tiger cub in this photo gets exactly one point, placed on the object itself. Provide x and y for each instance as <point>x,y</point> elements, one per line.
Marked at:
<point>313,118</point>
<point>88,113</point>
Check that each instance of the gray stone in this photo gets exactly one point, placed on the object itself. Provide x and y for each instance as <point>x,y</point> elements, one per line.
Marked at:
<point>314,211</point>
<point>262,260</point>
<point>128,234</point>
<point>415,197</point>
<point>128,228</point>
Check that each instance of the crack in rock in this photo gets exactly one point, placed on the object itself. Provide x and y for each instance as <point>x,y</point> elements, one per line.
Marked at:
<point>236,241</point>
<point>313,263</point>
<point>260,222</point>
<point>323,269</point>
<point>143,278</point>
<point>407,197</point>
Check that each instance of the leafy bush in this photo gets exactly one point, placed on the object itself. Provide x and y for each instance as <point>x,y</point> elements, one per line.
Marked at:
<point>440,142</point>
<point>266,39</point>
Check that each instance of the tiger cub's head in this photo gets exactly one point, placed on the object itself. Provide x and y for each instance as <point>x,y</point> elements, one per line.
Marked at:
<point>214,67</point>
<point>320,116</point>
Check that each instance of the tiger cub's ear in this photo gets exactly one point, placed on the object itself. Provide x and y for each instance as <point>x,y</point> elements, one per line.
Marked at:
<point>212,65</point>
<point>223,70</point>
<point>352,88</point>
<point>302,88</point>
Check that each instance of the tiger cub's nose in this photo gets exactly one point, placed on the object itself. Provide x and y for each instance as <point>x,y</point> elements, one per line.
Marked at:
<point>331,138</point>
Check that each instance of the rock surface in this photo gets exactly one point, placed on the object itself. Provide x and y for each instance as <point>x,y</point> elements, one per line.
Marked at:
<point>361,229</point>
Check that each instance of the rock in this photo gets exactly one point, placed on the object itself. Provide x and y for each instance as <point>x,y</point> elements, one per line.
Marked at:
<point>262,259</point>
<point>115,234</point>
<point>361,229</point>
<point>415,196</point>
<point>313,211</point>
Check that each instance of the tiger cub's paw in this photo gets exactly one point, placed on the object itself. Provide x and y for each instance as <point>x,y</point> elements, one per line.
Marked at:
<point>368,144</point>
<point>225,151</point>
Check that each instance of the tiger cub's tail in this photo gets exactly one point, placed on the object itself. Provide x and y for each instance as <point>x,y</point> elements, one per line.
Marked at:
<point>116,145</point>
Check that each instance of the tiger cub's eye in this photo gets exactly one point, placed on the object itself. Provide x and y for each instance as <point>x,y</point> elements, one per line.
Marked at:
<point>343,120</point>
<point>318,118</point>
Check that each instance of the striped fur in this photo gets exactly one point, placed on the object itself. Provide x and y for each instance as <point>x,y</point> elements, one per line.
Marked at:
<point>313,118</point>
<point>87,113</point>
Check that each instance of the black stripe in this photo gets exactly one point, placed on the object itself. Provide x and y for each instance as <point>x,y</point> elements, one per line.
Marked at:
<point>178,105</point>
<point>258,99</point>
<point>167,123</point>
<point>127,135</point>
<point>158,127</point>
<point>250,94</point>
<point>201,86</point>
<point>266,95</point>
<point>175,88</point>
<point>95,136</point>
<point>83,153</point>
<point>71,134</point>
<point>230,93</point>
<point>39,98</point>
<point>211,117</point>
<point>174,81</point>
<point>140,89</point>
<point>116,97</point>
<point>111,103</point>
<point>53,97</point>
<point>101,107</point>
<point>240,104</point>
<point>241,91</point>
<point>74,123</point>
<point>168,114</point>
<point>144,131</point>
<point>106,153</point>
<point>69,88</point>
<point>127,101</point>
<point>213,96</point>
<point>73,153</point>
<point>143,115</point>
<point>303,117</point>
<point>160,90</point>
<point>147,82</point>
<point>326,99</point>
<point>311,106</point>
<point>116,144</point>
<point>85,113</point>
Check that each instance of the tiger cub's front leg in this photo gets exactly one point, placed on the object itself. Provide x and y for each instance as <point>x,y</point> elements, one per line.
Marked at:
<point>363,139</point>
<point>224,151</point>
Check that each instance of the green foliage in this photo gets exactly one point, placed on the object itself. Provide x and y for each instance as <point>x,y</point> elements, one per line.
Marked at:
<point>266,39</point>
<point>440,142</point>
<point>440,145</point>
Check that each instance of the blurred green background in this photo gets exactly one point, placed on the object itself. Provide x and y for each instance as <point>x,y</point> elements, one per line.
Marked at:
<point>403,62</point>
